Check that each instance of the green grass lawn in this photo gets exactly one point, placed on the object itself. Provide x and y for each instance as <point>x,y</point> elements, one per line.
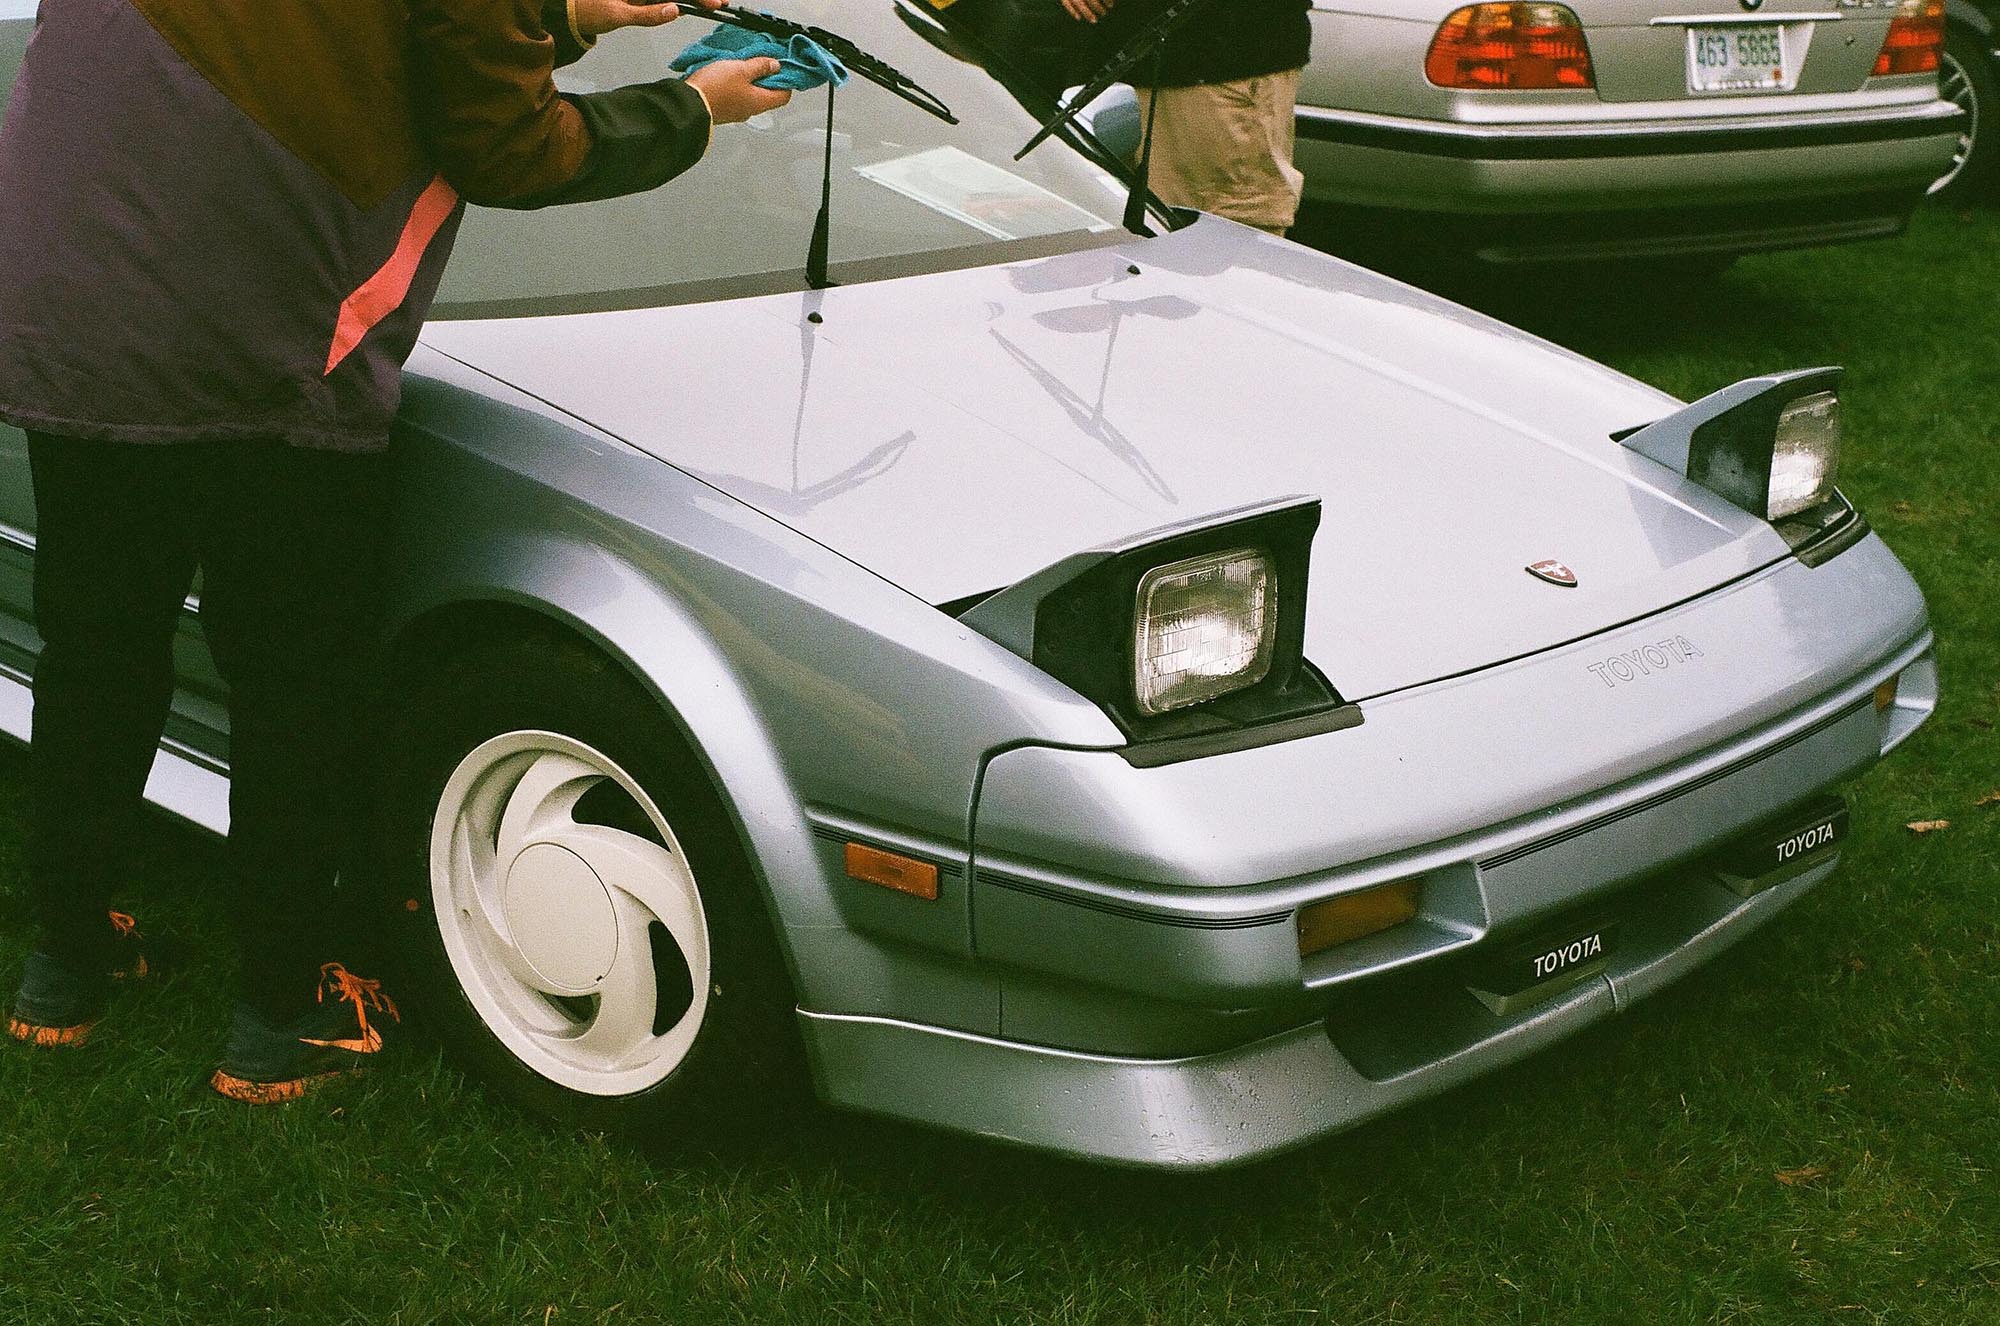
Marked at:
<point>1804,1132</point>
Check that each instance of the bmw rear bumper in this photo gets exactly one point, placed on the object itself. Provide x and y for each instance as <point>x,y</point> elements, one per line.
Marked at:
<point>1545,191</point>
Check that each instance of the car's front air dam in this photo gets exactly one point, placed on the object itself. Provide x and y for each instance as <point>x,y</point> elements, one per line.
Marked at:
<point>1207,1111</point>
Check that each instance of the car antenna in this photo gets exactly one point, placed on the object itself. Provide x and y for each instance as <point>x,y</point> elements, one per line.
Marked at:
<point>1150,40</point>
<point>873,68</point>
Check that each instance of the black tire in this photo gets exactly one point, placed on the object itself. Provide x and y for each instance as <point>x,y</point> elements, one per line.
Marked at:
<point>1967,76</point>
<point>745,1054</point>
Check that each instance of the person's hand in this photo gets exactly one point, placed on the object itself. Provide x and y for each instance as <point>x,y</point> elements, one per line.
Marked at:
<point>730,89</point>
<point>594,18</point>
<point>1086,11</point>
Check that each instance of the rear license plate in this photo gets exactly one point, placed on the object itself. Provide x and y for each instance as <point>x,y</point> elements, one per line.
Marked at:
<point>1737,57</point>
<point>1776,851</point>
<point>1544,966</point>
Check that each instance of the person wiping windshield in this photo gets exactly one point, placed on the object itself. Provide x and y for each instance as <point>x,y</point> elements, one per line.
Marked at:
<point>224,224</point>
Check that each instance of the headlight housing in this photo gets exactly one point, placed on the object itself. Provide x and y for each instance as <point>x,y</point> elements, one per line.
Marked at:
<point>1205,626</point>
<point>1191,637</point>
<point>1770,445</point>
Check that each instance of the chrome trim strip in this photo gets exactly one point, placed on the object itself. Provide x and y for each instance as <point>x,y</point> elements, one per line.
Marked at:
<point>1708,20</point>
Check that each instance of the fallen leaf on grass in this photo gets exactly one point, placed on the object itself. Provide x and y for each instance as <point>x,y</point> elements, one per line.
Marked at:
<point>1799,1178</point>
<point>1927,826</point>
<point>1902,508</point>
<point>1990,799</point>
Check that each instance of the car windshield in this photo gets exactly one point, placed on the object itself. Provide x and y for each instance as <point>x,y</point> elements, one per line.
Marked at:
<point>910,193</point>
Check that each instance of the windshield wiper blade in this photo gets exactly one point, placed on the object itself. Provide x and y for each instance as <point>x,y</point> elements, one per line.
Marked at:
<point>1149,40</point>
<point>873,68</point>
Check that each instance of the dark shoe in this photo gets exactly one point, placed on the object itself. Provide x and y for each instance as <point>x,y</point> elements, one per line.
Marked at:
<point>58,1004</point>
<point>268,1064</point>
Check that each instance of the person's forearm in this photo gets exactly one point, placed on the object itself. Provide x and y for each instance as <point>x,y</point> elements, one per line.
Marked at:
<point>641,137</point>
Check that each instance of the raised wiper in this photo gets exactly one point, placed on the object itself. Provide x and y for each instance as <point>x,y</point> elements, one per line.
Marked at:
<point>876,70</point>
<point>873,68</point>
<point>1149,40</point>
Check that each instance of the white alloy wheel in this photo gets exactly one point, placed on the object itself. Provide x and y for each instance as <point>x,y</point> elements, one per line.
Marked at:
<point>1955,84</point>
<point>553,924</point>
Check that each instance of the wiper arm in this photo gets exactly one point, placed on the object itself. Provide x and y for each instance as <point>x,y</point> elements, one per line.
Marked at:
<point>1147,41</point>
<point>876,70</point>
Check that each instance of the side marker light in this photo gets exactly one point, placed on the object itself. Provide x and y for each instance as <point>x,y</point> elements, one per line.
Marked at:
<point>872,865</point>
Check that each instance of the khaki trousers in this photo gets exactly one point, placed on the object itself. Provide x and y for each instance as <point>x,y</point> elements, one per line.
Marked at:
<point>1226,148</point>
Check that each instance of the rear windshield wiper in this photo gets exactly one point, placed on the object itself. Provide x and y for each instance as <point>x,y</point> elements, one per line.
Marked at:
<point>876,70</point>
<point>1150,40</point>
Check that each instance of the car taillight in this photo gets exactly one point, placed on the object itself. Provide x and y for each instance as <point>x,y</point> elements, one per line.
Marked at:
<point>1510,46</point>
<point>1915,40</point>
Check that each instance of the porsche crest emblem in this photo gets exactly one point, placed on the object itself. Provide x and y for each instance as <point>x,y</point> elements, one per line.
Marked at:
<point>1554,572</point>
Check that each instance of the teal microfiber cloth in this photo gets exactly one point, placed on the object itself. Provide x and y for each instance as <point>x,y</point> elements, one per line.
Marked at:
<point>805,63</point>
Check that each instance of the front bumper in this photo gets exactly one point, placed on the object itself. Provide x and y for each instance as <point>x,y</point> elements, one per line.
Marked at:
<point>1174,1023</point>
<point>1510,192</point>
<point>1244,1103</point>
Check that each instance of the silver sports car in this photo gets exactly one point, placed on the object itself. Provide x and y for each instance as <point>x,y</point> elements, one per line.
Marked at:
<point>1159,698</point>
<point>1535,131</point>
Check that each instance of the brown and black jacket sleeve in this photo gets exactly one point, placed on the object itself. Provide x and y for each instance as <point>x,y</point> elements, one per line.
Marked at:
<point>502,134</point>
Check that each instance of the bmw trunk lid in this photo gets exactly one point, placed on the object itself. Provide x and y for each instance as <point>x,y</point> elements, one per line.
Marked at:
<point>958,431</point>
<point>1752,57</point>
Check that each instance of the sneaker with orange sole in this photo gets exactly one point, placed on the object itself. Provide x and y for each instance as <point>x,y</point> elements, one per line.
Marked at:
<point>268,1064</point>
<point>58,1004</point>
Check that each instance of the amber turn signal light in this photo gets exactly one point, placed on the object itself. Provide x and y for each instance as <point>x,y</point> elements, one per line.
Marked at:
<point>1355,915</point>
<point>1885,694</point>
<point>905,874</point>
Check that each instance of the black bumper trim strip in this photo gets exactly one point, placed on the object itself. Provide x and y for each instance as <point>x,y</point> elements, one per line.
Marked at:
<point>1659,799</point>
<point>1052,893</point>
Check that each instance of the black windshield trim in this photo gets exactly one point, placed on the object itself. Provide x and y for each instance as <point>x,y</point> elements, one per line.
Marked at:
<point>993,253</point>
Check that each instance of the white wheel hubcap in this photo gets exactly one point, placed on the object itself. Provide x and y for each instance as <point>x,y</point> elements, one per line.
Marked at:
<point>551,922</point>
<point>560,914</point>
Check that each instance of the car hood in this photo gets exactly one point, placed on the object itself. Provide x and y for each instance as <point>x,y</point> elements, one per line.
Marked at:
<point>955,432</point>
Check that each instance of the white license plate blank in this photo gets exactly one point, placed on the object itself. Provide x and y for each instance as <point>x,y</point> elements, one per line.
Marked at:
<point>1737,57</point>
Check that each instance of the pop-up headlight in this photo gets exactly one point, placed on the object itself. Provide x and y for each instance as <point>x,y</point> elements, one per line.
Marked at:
<point>1206,626</point>
<point>1772,446</point>
<point>1805,455</point>
<point>1191,637</point>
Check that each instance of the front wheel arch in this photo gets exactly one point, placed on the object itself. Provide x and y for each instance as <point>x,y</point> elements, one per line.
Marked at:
<point>512,676</point>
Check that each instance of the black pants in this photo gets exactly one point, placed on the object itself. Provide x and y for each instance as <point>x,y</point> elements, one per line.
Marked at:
<point>289,543</point>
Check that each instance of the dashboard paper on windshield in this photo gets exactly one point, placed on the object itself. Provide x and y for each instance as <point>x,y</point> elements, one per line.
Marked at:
<point>994,201</point>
